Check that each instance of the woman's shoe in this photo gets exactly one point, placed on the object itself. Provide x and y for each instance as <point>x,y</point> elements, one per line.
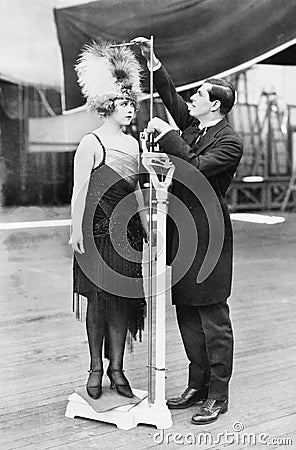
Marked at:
<point>94,383</point>
<point>119,382</point>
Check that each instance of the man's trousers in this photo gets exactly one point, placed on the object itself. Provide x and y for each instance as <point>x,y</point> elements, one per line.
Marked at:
<point>208,341</point>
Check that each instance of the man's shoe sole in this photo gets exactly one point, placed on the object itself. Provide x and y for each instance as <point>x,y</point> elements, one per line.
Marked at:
<point>170,406</point>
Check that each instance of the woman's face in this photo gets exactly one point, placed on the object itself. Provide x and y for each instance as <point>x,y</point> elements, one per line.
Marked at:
<point>124,112</point>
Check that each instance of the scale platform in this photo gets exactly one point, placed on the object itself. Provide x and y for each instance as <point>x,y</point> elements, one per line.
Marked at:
<point>125,413</point>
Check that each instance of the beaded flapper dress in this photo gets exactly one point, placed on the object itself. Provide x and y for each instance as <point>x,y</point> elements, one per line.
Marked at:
<point>110,270</point>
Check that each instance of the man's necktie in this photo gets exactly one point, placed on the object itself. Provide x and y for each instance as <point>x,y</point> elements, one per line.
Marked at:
<point>200,134</point>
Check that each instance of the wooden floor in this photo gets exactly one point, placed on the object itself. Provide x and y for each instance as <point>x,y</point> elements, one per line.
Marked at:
<point>44,354</point>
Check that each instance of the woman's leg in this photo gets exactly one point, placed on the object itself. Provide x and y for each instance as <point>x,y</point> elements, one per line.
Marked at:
<point>117,323</point>
<point>95,327</point>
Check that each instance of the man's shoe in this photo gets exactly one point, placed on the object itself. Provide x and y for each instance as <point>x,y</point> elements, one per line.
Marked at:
<point>209,411</point>
<point>189,398</point>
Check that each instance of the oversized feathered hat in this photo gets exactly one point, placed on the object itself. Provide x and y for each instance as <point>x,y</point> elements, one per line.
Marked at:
<point>106,73</point>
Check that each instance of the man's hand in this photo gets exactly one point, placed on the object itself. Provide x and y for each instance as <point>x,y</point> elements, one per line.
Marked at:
<point>145,46</point>
<point>158,125</point>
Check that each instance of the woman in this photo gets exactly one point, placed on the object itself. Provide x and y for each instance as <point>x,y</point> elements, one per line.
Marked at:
<point>108,210</point>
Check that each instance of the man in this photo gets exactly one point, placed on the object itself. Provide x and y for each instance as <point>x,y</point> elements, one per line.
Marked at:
<point>210,145</point>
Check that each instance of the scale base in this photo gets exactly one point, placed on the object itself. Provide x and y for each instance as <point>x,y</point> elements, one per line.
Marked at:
<point>124,417</point>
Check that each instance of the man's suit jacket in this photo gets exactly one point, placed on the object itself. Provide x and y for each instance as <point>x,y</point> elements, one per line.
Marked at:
<point>216,155</point>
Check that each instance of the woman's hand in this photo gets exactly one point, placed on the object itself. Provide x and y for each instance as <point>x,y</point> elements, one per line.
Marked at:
<point>76,241</point>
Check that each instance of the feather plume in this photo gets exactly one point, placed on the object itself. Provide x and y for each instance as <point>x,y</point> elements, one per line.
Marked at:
<point>106,73</point>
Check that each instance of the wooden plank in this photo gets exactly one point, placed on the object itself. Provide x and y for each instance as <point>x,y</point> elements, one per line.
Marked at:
<point>44,352</point>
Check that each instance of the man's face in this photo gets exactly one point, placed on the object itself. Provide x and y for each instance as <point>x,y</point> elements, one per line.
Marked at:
<point>201,105</point>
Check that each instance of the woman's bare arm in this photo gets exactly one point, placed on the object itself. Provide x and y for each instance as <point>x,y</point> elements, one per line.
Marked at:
<point>83,163</point>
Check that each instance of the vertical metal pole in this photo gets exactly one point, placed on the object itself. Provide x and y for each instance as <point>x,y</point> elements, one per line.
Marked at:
<point>160,303</point>
<point>151,76</point>
<point>150,284</point>
<point>269,141</point>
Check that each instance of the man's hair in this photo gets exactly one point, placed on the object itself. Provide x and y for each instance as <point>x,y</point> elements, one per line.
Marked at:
<point>223,91</point>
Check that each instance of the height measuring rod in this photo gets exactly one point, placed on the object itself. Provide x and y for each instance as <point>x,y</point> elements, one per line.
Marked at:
<point>160,171</point>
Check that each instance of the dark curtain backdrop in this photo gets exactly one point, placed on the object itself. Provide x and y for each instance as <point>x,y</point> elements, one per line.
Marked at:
<point>195,39</point>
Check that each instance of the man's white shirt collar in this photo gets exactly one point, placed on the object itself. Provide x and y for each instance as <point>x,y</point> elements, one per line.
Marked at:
<point>210,124</point>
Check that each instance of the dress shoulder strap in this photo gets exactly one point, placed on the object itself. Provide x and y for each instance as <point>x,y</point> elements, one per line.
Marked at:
<point>102,145</point>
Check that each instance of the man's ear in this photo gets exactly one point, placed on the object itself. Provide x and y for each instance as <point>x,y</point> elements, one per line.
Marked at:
<point>216,105</point>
